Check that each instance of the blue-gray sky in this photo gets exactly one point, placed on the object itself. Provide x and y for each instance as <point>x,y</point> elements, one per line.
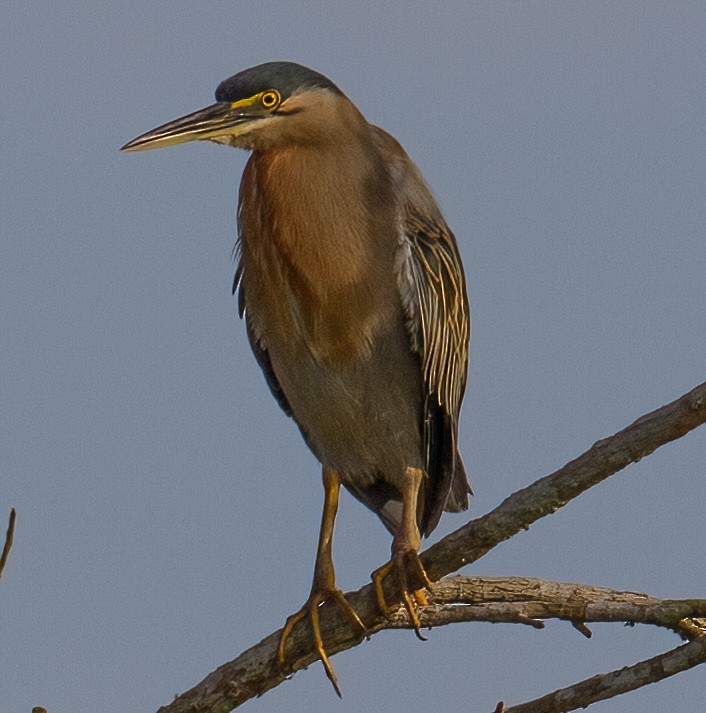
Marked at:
<point>167,510</point>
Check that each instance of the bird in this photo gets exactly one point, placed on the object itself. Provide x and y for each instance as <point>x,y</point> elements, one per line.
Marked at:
<point>355,304</point>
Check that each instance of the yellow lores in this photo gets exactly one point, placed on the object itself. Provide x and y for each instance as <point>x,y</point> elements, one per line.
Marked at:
<point>269,100</point>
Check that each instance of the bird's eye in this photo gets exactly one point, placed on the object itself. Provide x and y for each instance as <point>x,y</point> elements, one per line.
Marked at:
<point>270,99</point>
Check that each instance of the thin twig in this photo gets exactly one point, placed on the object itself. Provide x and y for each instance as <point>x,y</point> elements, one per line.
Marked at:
<point>254,671</point>
<point>608,685</point>
<point>8,541</point>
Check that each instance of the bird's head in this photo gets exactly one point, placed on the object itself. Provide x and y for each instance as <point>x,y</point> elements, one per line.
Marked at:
<point>272,104</point>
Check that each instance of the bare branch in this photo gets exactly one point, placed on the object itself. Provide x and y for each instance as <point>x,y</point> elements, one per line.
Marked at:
<point>608,685</point>
<point>547,495</point>
<point>8,540</point>
<point>525,600</point>
<point>254,672</point>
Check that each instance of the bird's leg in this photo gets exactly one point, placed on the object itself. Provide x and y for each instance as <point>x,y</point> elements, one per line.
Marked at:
<point>323,587</point>
<point>405,562</point>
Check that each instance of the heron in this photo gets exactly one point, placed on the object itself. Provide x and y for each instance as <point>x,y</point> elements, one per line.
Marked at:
<point>354,298</point>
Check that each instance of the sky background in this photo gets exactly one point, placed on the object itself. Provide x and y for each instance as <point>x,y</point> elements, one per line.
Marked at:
<point>168,511</point>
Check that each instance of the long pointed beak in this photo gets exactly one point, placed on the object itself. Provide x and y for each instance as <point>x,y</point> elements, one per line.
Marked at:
<point>215,120</point>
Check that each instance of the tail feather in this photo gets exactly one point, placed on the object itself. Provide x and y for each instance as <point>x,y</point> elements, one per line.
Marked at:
<point>457,499</point>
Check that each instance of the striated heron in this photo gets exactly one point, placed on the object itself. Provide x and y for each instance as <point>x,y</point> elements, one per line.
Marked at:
<point>355,305</point>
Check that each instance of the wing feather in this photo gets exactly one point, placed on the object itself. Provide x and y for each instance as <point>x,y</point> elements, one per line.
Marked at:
<point>262,356</point>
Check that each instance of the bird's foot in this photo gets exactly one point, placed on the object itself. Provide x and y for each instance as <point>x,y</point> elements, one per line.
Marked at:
<point>411,579</point>
<point>310,610</point>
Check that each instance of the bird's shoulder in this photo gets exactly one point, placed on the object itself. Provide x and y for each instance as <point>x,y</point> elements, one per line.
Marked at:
<point>412,191</point>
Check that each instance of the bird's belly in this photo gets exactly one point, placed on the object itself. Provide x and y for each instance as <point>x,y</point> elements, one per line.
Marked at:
<point>360,415</point>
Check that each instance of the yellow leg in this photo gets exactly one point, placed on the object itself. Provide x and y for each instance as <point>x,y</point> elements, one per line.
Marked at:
<point>323,587</point>
<point>405,562</point>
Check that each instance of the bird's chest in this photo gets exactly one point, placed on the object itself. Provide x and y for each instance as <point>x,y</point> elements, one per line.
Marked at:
<point>318,264</point>
<point>326,308</point>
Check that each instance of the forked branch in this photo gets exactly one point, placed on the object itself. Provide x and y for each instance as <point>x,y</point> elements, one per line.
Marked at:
<point>255,671</point>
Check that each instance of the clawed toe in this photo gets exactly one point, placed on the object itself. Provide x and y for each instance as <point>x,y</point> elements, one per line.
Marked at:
<point>310,610</point>
<point>407,568</point>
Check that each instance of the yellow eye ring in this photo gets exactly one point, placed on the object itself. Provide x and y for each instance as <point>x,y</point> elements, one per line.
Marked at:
<point>269,99</point>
